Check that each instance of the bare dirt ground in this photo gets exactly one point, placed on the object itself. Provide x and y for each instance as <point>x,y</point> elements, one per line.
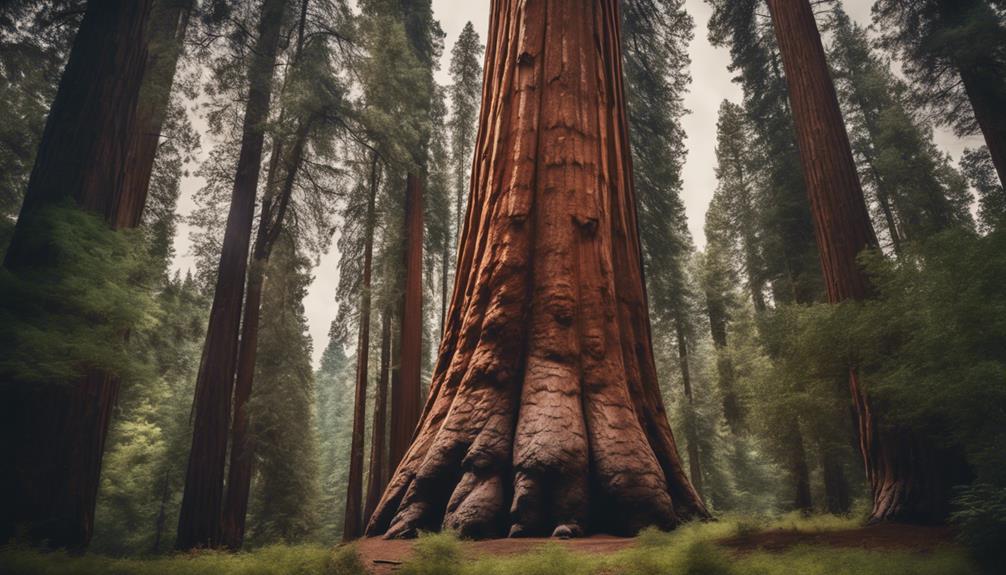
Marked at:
<point>884,536</point>
<point>383,556</point>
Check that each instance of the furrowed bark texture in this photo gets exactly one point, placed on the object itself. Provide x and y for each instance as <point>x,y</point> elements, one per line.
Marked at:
<point>405,401</point>
<point>352,526</point>
<point>54,434</point>
<point>544,414</point>
<point>909,478</point>
<point>199,522</point>
<point>169,22</point>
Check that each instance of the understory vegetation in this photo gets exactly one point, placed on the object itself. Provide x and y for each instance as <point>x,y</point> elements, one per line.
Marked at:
<point>689,550</point>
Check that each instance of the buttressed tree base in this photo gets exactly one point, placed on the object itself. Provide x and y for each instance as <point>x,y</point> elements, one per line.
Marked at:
<point>545,416</point>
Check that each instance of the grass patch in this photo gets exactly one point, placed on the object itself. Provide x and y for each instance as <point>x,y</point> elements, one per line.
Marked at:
<point>689,550</point>
<point>272,560</point>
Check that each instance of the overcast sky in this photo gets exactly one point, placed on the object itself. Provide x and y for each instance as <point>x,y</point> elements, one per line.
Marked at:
<point>711,83</point>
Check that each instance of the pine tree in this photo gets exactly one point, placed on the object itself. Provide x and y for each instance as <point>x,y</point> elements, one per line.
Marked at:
<point>977,166</point>
<point>465,94</point>
<point>656,60</point>
<point>952,50</point>
<point>281,408</point>
<point>900,164</point>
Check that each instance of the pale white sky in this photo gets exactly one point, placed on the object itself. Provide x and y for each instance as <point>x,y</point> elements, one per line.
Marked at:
<point>711,83</point>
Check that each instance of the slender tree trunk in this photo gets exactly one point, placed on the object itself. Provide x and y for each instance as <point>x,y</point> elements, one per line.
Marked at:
<point>445,258</point>
<point>910,479</point>
<point>837,499</point>
<point>691,424</point>
<point>199,523</point>
<point>241,454</point>
<point>405,400</point>
<point>544,414</point>
<point>378,477</point>
<point>162,514</point>
<point>732,409</point>
<point>54,434</point>
<point>798,469</point>
<point>353,524</point>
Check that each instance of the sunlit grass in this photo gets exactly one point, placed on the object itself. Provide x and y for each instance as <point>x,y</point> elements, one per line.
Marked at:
<point>691,549</point>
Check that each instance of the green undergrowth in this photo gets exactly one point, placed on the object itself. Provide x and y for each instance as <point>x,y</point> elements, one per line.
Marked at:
<point>272,560</point>
<point>689,550</point>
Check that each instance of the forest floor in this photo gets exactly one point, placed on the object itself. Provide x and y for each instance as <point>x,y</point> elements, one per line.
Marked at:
<point>382,557</point>
<point>819,545</point>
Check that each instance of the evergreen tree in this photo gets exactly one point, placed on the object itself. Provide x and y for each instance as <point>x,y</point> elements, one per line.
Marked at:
<point>899,164</point>
<point>286,490</point>
<point>953,53</point>
<point>465,95</point>
<point>977,166</point>
<point>655,52</point>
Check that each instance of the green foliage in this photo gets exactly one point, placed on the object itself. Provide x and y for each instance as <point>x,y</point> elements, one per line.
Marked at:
<point>981,522</point>
<point>935,41</point>
<point>976,165</point>
<point>70,311</point>
<point>915,192</point>
<point>929,347</point>
<point>142,472</point>
<point>435,554</point>
<point>286,488</point>
<point>692,549</point>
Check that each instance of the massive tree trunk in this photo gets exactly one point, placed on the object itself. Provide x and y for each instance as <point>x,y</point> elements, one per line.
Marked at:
<point>239,473</point>
<point>377,478</point>
<point>545,415</point>
<point>910,480</point>
<point>405,401</point>
<point>54,434</point>
<point>352,526</point>
<point>169,22</point>
<point>199,523</point>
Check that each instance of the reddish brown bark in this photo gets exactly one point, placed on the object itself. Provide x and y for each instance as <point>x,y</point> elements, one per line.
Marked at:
<point>352,526</point>
<point>54,434</point>
<point>405,392</point>
<point>910,480</point>
<point>169,22</point>
<point>199,522</point>
<point>544,413</point>
<point>377,478</point>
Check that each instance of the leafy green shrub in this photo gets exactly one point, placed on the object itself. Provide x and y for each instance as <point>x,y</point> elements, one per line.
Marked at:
<point>981,522</point>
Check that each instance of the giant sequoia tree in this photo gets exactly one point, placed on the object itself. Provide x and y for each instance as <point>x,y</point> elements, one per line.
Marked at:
<point>56,430</point>
<point>545,415</point>
<point>910,480</point>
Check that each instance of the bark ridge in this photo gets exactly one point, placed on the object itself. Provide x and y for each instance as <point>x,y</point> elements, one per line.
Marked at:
<point>544,414</point>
